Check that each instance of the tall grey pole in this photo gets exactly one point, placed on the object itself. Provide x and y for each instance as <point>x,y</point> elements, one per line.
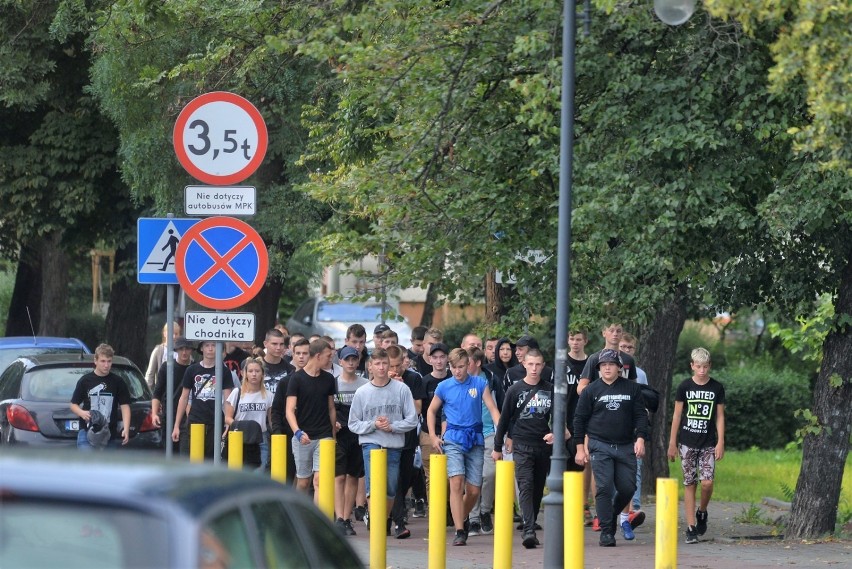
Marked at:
<point>170,364</point>
<point>217,423</point>
<point>170,368</point>
<point>554,535</point>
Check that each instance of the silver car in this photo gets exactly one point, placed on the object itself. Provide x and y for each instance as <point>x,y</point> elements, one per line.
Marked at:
<point>326,318</point>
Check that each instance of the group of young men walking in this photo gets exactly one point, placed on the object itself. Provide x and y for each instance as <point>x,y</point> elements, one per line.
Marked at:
<point>474,405</point>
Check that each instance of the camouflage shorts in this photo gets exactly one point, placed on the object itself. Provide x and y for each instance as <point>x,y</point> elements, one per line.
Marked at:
<point>697,464</point>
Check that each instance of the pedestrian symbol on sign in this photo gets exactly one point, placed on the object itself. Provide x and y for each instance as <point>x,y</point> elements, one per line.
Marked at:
<point>157,245</point>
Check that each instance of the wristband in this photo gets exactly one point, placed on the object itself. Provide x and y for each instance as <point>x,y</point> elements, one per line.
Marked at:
<point>299,433</point>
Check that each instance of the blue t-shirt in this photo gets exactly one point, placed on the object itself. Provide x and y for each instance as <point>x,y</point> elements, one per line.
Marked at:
<point>463,410</point>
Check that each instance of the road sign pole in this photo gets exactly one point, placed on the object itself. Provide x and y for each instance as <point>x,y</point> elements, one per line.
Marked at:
<point>170,368</point>
<point>217,423</point>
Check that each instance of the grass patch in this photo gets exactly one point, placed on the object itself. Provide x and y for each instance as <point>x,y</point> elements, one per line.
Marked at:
<point>749,476</point>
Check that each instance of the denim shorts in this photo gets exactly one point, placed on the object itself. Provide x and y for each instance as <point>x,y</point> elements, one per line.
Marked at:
<point>394,455</point>
<point>307,458</point>
<point>467,464</point>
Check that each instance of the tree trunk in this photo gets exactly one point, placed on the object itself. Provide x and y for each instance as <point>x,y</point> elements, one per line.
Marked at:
<point>25,303</point>
<point>429,306</point>
<point>54,286</point>
<point>814,510</point>
<point>495,299</point>
<point>656,357</point>
<point>127,318</point>
<point>265,308</point>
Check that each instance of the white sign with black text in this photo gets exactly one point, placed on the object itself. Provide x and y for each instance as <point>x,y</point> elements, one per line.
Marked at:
<point>220,200</point>
<point>219,326</point>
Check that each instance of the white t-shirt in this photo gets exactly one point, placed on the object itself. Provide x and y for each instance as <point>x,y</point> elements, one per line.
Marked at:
<point>252,406</point>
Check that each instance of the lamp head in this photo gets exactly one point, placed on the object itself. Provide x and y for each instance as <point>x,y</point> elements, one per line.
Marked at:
<point>674,12</point>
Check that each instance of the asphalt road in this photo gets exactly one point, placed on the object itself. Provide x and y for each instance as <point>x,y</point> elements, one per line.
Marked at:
<point>728,544</point>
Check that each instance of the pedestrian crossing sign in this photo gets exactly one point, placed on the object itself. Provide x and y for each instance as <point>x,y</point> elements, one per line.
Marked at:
<point>156,245</point>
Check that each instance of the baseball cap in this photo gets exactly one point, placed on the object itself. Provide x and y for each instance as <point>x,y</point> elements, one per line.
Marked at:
<point>527,341</point>
<point>381,328</point>
<point>439,347</point>
<point>609,357</point>
<point>348,352</point>
<point>181,342</point>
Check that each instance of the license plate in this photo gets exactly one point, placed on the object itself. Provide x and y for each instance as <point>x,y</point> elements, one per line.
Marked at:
<point>72,425</point>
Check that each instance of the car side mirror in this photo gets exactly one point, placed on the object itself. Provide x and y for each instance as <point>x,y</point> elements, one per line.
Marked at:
<point>306,320</point>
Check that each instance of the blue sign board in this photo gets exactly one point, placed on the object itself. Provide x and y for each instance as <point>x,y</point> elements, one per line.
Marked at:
<point>156,247</point>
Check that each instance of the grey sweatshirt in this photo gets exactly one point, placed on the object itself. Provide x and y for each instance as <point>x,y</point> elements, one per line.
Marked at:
<point>394,401</point>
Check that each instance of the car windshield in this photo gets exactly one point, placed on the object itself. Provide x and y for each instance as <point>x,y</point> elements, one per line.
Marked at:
<point>348,312</point>
<point>8,356</point>
<point>57,383</point>
<point>45,534</point>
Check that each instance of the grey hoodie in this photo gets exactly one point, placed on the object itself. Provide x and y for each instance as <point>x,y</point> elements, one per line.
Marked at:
<point>394,401</point>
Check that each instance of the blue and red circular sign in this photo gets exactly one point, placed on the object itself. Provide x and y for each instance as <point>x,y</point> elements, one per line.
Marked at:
<point>220,138</point>
<point>221,263</point>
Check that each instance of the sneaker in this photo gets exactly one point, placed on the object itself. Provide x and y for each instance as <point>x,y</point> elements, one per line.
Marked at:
<point>691,535</point>
<point>587,517</point>
<point>487,524</point>
<point>596,524</point>
<point>358,512</point>
<point>466,527</point>
<point>347,528</point>
<point>460,538</point>
<point>529,540</point>
<point>402,532</point>
<point>388,527</point>
<point>366,518</point>
<point>517,518</point>
<point>701,525</point>
<point>340,525</point>
<point>636,518</point>
<point>475,529</point>
<point>607,540</point>
<point>627,530</point>
<point>419,509</point>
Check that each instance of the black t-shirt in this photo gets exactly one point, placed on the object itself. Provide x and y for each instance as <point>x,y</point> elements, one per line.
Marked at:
<point>573,373</point>
<point>274,373</point>
<point>530,423</point>
<point>162,384</point>
<point>430,384</point>
<point>421,366</point>
<point>312,395</point>
<point>698,419</point>
<point>343,398</point>
<point>278,415</point>
<point>106,394</point>
<point>628,369</point>
<point>613,414</point>
<point>415,383</point>
<point>201,382</point>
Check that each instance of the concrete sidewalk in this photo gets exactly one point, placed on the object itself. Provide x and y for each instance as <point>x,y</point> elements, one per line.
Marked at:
<point>728,544</point>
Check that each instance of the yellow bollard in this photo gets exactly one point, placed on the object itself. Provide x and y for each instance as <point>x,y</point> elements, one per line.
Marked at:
<point>196,442</point>
<point>378,508</point>
<point>438,511</point>
<point>504,500</point>
<point>574,534</point>
<point>326,477</point>
<point>666,547</point>
<point>235,450</point>
<point>278,458</point>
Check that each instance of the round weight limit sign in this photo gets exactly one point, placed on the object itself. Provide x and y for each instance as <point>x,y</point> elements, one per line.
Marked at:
<point>220,138</point>
<point>221,263</point>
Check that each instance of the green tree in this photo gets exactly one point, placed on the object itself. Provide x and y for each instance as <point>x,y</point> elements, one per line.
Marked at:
<point>58,178</point>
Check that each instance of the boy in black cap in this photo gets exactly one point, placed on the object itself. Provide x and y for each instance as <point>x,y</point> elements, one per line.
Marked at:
<point>612,413</point>
<point>518,372</point>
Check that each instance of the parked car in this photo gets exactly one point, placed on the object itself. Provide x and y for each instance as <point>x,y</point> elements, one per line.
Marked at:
<point>66,510</point>
<point>14,347</point>
<point>35,393</point>
<point>326,318</point>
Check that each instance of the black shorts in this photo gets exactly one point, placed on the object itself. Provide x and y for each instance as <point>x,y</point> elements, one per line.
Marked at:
<point>349,459</point>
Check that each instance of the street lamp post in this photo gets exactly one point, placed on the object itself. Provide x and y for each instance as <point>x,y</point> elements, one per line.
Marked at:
<point>553,502</point>
<point>674,13</point>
